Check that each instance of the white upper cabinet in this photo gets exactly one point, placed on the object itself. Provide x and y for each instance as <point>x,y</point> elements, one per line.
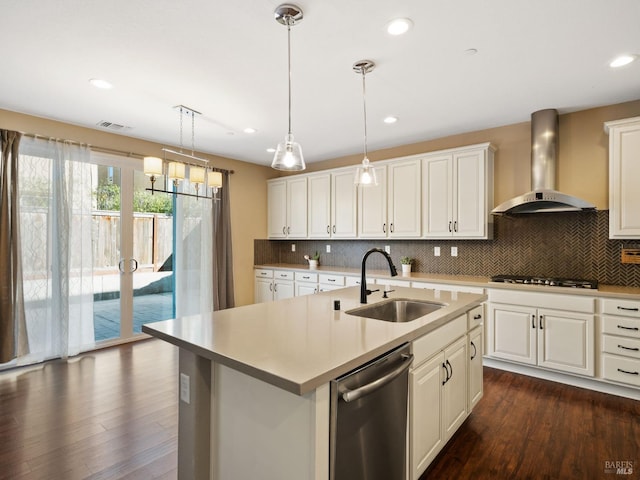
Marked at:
<point>332,205</point>
<point>372,207</point>
<point>458,193</point>
<point>624,172</point>
<point>404,193</point>
<point>287,208</point>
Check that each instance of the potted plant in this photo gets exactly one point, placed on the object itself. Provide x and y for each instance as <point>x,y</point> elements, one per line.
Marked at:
<point>313,260</point>
<point>406,264</point>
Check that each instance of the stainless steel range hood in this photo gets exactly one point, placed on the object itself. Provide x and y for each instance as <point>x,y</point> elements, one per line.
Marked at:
<point>543,197</point>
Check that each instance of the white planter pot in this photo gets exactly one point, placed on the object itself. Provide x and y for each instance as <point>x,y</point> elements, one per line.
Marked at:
<point>406,269</point>
<point>313,264</point>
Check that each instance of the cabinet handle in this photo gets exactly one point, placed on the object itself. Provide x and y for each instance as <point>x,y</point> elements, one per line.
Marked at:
<point>306,278</point>
<point>328,229</point>
<point>331,279</point>
<point>636,349</point>
<point>477,317</point>
<point>455,226</point>
<point>629,373</point>
<point>635,329</point>
<point>334,229</point>
<point>628,309</point>
<point>451,367</point>
<point>288,230</point>
<point>275,287</point>
<point>391,225</point>
<point>384,228</point>
<point>475,351</point>
<point>271,287</point>
<point>449,226</point>
<point>541,322</point>
<point>446,373</point>
<point>283,275</point>
<point>533,321</point>
<point>284,230</point>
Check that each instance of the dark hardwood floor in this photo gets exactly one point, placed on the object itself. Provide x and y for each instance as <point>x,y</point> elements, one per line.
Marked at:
<point>112,414</point>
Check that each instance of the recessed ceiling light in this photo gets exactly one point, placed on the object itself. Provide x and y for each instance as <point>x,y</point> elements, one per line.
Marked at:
<point>99,83</point>
<point>390,119</point>
<point>399,26</point>
<point>250,130</point>
<point>622,60</point>
<point>271,150</point>
<point>471,51</point>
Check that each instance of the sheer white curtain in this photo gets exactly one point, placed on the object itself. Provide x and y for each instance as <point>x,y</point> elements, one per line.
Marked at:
<point>192,247</point>
<point>56,225</point>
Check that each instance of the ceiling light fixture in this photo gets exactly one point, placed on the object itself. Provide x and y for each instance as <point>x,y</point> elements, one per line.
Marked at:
<point>390,119</point>
<point>288,155</point>
<point>250,130</point>
<point>365,173</point>
<point>399,26</point>
<point>99,83</point>
<point>622,60</point>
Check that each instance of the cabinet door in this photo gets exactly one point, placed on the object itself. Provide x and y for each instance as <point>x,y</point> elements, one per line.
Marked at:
<point>297,207</point>
<point>566,341</point>
<point>624,171</point>
<point>372,207</point>
<point>282,290</point>
<point>344,205</point>
<point>319,212</point>
<point>513,333</point>
<point>404,199</point>
<point>304,288</point>
<point>277,209</point>
<point>263,290</point>
<point>454,393</point>
<point>425,414</point>
<point>476,389</point>
<point>437,200</point>
<point>470,209</point>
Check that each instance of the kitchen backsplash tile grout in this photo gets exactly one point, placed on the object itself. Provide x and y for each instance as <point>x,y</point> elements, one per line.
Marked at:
<point>571,245</point>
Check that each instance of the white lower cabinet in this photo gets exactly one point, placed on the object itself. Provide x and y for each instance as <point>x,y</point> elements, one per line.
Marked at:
<point>475,352</point>
<point>438,389</point>
<point>620,341</point>
<point>306,283</point>
<point>560,337</point>
<point>273,285</point>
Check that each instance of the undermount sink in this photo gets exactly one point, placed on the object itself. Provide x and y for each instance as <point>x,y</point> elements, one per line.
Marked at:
<point>396,310</point>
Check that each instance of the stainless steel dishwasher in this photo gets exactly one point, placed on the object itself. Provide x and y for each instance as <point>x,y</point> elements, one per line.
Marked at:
<point>368,419</point>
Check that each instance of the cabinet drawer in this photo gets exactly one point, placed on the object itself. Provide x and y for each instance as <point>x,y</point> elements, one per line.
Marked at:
<point>555,301</point>
<point>627,308</point>
<point>627,327</point>
<point>332,279</point>
<point>306,277</point>
<point>263,273</point>
<point>283,275</point>
<point>628,347</point>
<point>424,347</point>
<point>621,369</point>
<point>475,317</point>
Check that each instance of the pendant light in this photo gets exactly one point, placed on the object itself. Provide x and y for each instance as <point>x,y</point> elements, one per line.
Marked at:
<point>288,155</point>
<point>365,173</point>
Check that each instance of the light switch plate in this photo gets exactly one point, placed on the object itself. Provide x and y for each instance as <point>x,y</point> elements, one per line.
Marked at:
<point>454,251</point>
<point>387,248</point>
<point>293,247</point>
<point>436,251</point>
<point>328,248</point>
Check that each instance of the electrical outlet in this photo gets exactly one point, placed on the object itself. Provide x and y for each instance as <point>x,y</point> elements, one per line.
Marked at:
<point>436,251</point>
<point>293,247</point>
<point>185,390</point>
<point>328,248</point>
<point>454,251</point>
<point>387,248</point>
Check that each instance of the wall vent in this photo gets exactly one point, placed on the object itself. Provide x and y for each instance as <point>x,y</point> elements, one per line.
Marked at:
<point>112,126</point>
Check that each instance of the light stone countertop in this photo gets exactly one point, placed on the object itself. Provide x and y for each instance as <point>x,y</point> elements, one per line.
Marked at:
<point>603,290</point>
<point>301,343</point>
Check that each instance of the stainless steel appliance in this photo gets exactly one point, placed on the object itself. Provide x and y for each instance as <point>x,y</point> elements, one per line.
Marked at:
<point>546,281</point>
<point>369,419</point>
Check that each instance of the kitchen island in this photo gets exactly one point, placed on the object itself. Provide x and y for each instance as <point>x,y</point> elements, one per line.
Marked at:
<point>254,380</point>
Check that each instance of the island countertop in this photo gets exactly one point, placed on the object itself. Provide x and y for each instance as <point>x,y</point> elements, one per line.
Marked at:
<point>300,343</point>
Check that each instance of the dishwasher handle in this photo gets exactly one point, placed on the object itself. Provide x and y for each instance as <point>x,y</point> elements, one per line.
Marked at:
<point>351,395</point>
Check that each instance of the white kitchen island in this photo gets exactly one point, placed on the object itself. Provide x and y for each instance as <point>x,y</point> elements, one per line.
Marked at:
<point>254,380</point>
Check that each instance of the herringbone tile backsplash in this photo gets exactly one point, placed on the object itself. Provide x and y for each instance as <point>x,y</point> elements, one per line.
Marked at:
<point>572,245</point>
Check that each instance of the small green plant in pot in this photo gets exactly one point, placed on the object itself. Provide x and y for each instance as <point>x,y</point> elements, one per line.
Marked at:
<point>406,263</point>
<point>313,260</point>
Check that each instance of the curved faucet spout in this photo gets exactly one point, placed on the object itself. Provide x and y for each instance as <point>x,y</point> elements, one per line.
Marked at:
<point>363,279</point>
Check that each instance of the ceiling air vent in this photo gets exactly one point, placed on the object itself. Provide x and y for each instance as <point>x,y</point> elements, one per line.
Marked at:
<point>112,126</point>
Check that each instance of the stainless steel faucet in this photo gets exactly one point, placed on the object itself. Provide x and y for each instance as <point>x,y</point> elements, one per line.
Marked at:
<point>363,279</point>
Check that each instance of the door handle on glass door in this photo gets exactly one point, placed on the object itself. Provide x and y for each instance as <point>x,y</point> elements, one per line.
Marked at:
<point>134,263</point>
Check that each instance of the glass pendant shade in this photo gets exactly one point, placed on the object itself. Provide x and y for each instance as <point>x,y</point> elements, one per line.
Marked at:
<point>175,171</point>
<point>288,155</point>
<point>152,166</point>
<point>366,175</point>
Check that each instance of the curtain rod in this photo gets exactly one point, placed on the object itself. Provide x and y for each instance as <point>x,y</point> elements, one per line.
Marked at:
<point>113,150</point>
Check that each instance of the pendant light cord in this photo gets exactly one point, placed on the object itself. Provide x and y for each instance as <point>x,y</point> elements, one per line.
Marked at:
<point>364,108</point>
<point>289,20</point>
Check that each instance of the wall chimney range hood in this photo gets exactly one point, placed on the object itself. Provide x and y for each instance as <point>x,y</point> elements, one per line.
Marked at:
<point>543,197</point>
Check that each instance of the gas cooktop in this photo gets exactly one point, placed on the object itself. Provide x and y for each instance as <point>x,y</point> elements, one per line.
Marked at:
<point>546,281</point>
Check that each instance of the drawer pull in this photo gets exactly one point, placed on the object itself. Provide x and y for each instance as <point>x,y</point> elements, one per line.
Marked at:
<point>633,349</point>
<point>305,277</point>
<point>477,317</point>
<point>627,309</point>
<point>628,373</point>
<point>283,275</point>
<point>331,279</point>
<point>635,329</point>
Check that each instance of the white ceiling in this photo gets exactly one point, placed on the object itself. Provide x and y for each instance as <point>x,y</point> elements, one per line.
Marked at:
<point>228,61</point>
